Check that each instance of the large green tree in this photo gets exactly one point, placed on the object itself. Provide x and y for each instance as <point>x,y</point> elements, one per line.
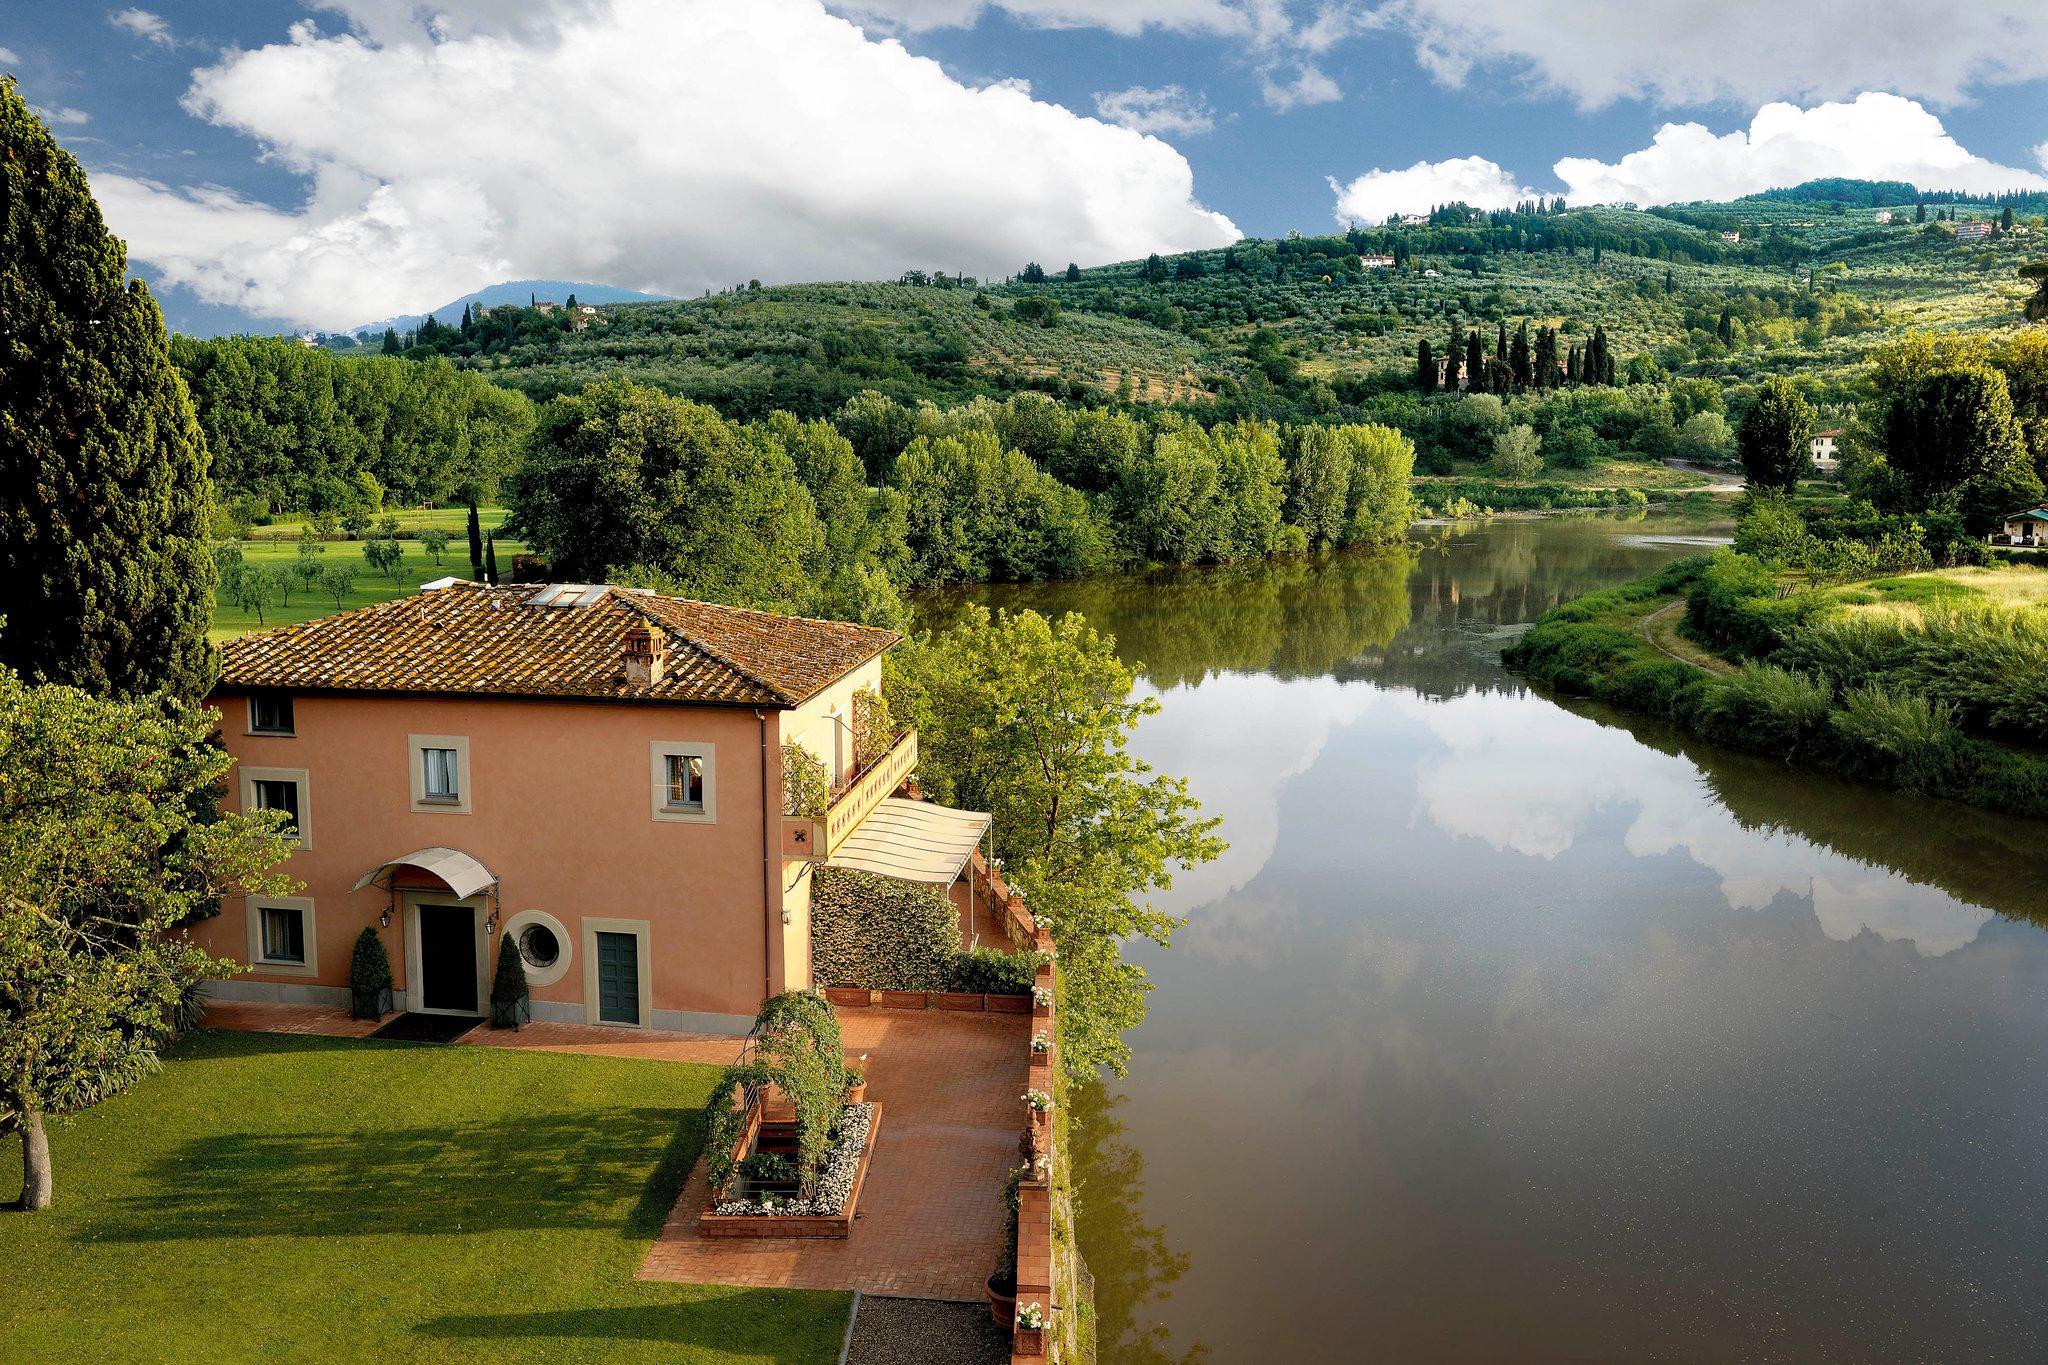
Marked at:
<point>1773,439</point>
<point>1952,434</point>
<point>110,839</point>
<point>103,527</point>
<point>623,476</point>
<point>1028,719</point>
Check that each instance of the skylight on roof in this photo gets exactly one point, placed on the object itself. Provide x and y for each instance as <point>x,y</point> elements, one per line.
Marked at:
<point>565,595</point>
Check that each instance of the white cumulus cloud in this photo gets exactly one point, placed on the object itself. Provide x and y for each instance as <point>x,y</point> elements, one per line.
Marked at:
<point>1378,195</point>
<point>8,56</point>
<point>1307,85</point>
<point>1165,109</point>
<point>145,25</point>
<point>1741,51</point>
<point>681,144</point>
<point>1874,137</point>
<point>1127,17</point>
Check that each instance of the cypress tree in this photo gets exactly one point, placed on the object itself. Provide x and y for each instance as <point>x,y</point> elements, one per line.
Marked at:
<point>1518,357</point>
<point>1451,370</point>
<point>1425,367</point>
<point>1546,359</point>
<point>1475,360</point>
<point>103,534</point>
<point>491,561</point>
<point>476,543</point>
<point>1500,343</point>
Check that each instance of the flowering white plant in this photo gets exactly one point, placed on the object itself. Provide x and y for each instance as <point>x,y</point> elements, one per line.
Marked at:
<point>1041,995</point>
<point>1031,1315</point>
<point>1038,1100</point>
<point>1040,1042</point>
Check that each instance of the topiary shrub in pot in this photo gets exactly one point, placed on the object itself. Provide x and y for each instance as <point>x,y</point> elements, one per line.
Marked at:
<point>1002,1285</point>
<point>509,1004</point>
<point>369,978</point>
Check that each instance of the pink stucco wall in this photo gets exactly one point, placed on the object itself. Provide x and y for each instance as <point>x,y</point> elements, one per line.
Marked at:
<point>561,812</point>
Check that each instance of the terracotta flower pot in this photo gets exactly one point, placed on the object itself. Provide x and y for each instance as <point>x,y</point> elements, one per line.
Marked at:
<point>856,1094</point>
<point>1002,1299</point>
<point>1029,1341</point>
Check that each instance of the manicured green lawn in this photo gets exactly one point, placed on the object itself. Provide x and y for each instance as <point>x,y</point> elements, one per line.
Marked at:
<point>283,1197</point>
<point>453,520</point>
<point>370,586</point>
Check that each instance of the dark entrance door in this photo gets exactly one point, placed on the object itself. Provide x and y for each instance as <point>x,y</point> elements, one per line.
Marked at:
<point>618,978</point>
<point>448,958</point>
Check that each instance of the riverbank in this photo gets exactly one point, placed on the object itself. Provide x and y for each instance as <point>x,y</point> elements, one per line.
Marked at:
<point>1799,693</point>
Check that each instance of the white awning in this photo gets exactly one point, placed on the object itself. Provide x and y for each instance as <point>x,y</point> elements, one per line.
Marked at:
<point>462,874</point>
<point>912,841</point>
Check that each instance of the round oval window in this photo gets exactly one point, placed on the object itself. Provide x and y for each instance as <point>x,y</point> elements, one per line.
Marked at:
<point>539,946</point>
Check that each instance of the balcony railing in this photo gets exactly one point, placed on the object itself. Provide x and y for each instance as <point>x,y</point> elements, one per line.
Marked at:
<point>857,800</point>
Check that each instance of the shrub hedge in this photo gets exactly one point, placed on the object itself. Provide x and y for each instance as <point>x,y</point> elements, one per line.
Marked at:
<point>875,933</point>
<point>881,934</point>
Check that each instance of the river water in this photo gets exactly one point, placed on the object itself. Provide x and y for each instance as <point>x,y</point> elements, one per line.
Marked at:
<point>1511,1028</point>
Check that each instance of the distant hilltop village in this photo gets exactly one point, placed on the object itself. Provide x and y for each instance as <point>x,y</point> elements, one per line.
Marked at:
<point>581,315</point>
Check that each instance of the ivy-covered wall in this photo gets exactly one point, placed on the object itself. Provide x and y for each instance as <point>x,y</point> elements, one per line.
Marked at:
<point>880,933</point>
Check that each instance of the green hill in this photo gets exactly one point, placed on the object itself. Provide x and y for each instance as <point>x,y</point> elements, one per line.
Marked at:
<point>1792,281</point>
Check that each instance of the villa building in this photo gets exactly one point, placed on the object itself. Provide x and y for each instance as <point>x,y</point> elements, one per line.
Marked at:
<point>597,771</point>
<point>1822,448</point>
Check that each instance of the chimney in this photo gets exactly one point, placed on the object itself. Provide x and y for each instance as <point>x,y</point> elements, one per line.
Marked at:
<point>646,649</point>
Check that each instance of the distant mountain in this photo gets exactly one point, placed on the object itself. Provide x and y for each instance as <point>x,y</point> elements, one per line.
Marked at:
<point>515,292</point>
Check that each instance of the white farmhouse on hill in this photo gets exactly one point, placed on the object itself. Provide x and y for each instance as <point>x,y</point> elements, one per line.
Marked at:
<point>1822,448</point>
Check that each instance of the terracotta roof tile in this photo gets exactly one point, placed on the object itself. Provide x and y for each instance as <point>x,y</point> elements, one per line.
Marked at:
<point>468,639</point>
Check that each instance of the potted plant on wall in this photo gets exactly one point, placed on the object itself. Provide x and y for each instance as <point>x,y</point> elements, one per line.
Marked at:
<point>1002,1285</point>
<point>369,978</point>
<point>1031,1329</point>
<point>509,1004</point>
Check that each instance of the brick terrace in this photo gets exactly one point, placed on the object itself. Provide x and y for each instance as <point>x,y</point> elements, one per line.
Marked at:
<point>930,1219</point>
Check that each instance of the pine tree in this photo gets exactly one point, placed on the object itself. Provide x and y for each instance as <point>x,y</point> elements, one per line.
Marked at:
<point>390,341</point>
<point>103,531</point>
<point>476,543</point>
<point>1425,367</point>
<point>491,560</point>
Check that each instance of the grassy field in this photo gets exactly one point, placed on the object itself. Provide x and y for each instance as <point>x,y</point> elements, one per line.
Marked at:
<point>2002,585</point>
<point>293,1198</point>
<point>370,586</point>
<point>412,520</point>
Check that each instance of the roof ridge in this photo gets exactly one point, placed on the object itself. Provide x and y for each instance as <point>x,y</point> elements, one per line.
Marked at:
<point>284,629</point>
<point>626,596</point>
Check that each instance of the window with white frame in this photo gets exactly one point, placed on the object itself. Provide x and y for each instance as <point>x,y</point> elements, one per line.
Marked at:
<point>270,713</point>
<point>281,937</point>
<point>282,789</point>
<point>283,934</point>
<point>685,781</point>
<point>440,773</point>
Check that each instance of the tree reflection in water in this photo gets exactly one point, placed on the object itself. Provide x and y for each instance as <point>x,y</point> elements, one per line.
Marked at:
<point>1133,1266</point>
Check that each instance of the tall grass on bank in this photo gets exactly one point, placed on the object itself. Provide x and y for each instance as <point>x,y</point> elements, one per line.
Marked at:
<point>1886,703</point>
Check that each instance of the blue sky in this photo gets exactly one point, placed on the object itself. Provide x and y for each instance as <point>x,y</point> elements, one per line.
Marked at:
<point>276,163</point>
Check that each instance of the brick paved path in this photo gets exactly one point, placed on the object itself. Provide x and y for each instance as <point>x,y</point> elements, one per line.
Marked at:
<point>930,1220</point>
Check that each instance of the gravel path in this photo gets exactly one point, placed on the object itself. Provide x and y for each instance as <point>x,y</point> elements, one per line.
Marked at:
<point>925,1332</point>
